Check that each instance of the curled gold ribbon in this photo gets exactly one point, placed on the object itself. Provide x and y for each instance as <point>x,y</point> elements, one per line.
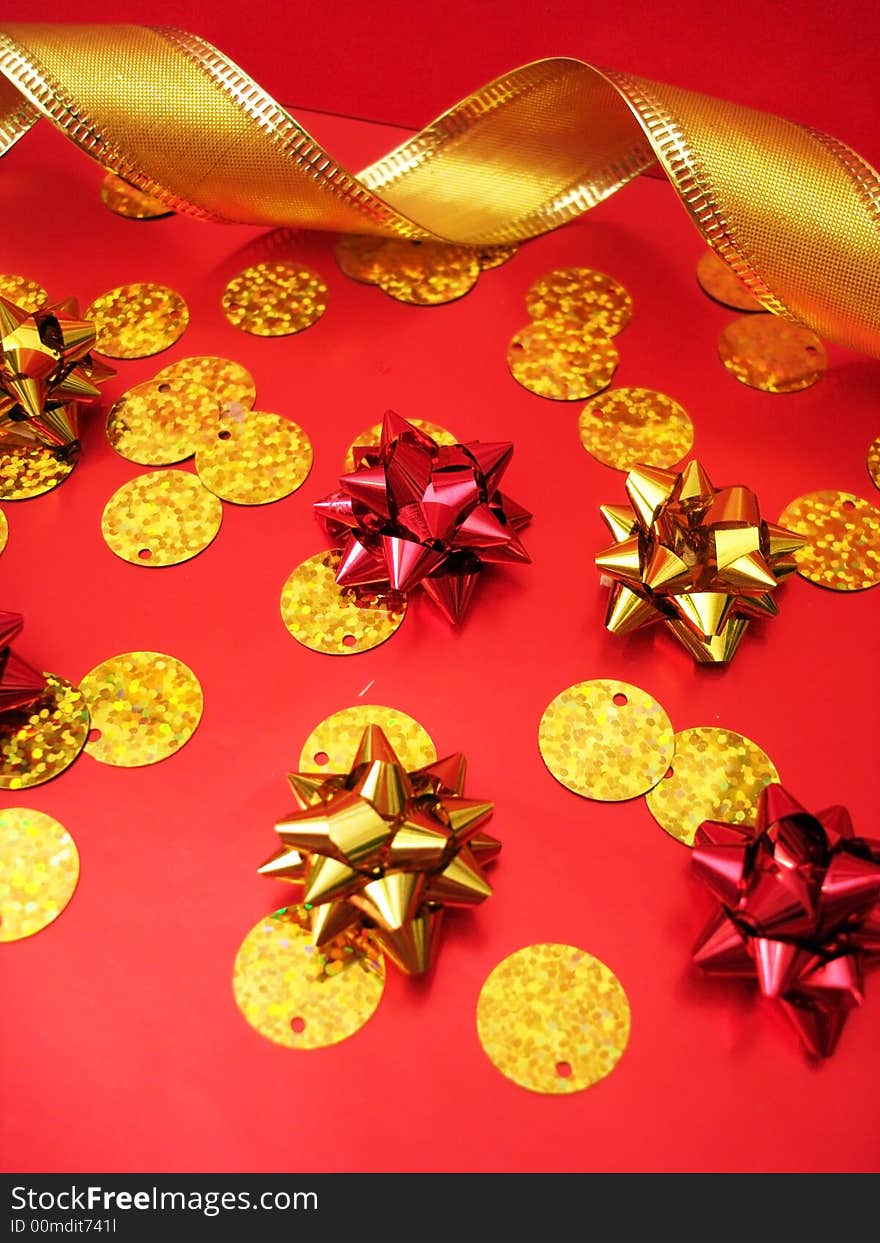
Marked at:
<point>794,212</point>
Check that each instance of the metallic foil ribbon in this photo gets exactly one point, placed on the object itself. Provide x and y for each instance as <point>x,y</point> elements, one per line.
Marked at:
<point>792,211</point>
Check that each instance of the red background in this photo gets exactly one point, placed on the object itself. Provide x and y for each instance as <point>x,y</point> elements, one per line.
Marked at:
<point>122,1045</point>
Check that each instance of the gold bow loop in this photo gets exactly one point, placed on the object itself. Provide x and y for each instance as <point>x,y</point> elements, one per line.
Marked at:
<point>795,213</point>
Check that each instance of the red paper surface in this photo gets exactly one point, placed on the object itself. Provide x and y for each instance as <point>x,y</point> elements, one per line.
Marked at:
<point>122,1045</point>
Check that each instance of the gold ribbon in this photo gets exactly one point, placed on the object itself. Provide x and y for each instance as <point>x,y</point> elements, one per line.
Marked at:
<point>795,213</point>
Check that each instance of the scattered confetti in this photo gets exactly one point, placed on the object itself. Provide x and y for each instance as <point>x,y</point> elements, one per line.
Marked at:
<point>426,273</point>
<point>771,354</point>
<point>253,458</point>
<point>135,321</point>
<point>717,279</point>
<point>161,518</point>
<point>41,740</point>
<point>29,472</point>
<point>624,427</point>
<point>228,382</point>
<point>553,358</point>
<point>325,617</point>
<point>39,870</point>
<point>127,200</point>
<point>843,539</point>
<point>334,742</point>
<point>274,299</point>
<point>595,303</point>
<point>161,422</point>
<point>27,295</point>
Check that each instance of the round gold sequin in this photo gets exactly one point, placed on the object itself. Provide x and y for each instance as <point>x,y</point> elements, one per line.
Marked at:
<point>27,295</point>
<point>553,1018</point>
<point>553,358</point>
<point>359,256</point>
<point>717,279</point>
<point>592,301</point>
<point>27,472</point>
<point>144,706</point>
<point>625,427</point>
<point>274,299</point>
<point>228,382</point>
<point>494,256</point>
<point>426,273</point>
<point>135,321</point>
<point>39,870</point>
<point>299,996</point>
<point>715,775</point>
<point>161,518</point>
<point>843,539</point>
<point>161,422</point>
<point>771,354</point>
<point>373,435</point>
<point>325,617</point>
<point>254,458</point>
<point>606,740</point>
<point>127,200</point>
<point>4,530</point>
<point>39,741</point>
<point>874,462</point>
<point>333,744</point>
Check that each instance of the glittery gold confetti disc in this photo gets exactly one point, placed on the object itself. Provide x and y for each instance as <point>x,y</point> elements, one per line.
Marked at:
<point>336,739</point>
<point>144,706</point>
<point>161,518</point>
<point>495,256</point>
<point>359,257</point>
<point>720,282</point>
<point>300,996</point>
<point>843,534</point>
<point>135,321</point>
<point>325,617</point>
<point>27,295</point>
<point>254,458</point>
<point>39,741</point>
<point>39,869</point>
<point>274,299</point>
<point>553,358</point>
<point>162,421</point>
<point>127,200</point>
<point>553,1019</point>
<point>373,435</point>
<point>716,775</point>
<point>769,353</point>
<point>426,273</point>
<point>624,427</point>
<point>30,472</point>
<point>228,382</point>
<point>606,740</point>
<point>874,461</point>
<point>596,303</point>
<point>4,530</point>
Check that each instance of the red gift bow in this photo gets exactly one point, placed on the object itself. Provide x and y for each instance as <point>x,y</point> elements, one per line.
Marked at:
<point>20,683</point>
<point>422,514</point>
<point>800,910</point>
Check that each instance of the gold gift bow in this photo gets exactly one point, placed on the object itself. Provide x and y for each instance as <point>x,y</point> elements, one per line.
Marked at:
<point>795,213</point>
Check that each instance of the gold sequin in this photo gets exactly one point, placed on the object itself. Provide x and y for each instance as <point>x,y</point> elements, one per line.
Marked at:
<point>228,382</point>
<point>27,295</point>
<point>144,706</point>
<point>299,996</point>
<point>554,359</point>
<point>162,421</point>
<point>334,742</point>
<point>553,1019</point>
<point>325,617</point>
<point>715,775</point>
<point>843,539</point>
<point>30,472</point>
<point>254,458</point>
<point>358,257</point>
<point>161,518</point>
<point>717,279</point>
<point>135,321</point>
<point>494,256</point>
<point>373,435</point>
<point>589,300</point>
<point>606,740</point>
<point>426,273</point>
<point>4,530</point>
<point>771,354</point>
<point>625,427</point>
<point>274,299</point>
<point>39,870</point>
<point>127,200</point>
<point>874,462</point>
<point>39,741</point>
